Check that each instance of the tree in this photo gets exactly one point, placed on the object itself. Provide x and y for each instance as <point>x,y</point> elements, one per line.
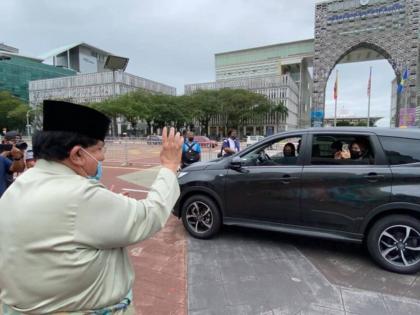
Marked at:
<point>112,108</point>
<point>204,105</point>
<point>344,123</point>
<point>167,110</point>
<point>12,112</point>
<point>241,107</point>
<point>235,108</point>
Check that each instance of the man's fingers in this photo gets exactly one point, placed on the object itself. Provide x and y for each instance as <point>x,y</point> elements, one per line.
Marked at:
<point>171,134</point>
<point>164,135</point>
<point>177,138</point>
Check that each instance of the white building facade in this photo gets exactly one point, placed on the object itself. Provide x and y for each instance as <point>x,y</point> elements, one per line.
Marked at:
<point>92,87</point>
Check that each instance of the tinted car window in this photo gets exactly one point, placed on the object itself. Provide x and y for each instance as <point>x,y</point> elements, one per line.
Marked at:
<point>338,149</point>
<point>400,150</point>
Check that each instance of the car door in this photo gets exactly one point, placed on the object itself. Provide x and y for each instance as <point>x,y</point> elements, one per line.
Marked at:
<point>266,191</point>
<point>338,194</point>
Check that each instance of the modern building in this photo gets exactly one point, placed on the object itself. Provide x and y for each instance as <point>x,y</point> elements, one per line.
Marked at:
<point>351,121</point>
<point>94,87</point>
<point>281,72</point>
<point>80,57</point>
<point>17,70</point>
<point>91,81</point>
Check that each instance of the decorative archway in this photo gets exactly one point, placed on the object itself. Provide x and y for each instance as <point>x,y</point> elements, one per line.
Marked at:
<point>388,27</point>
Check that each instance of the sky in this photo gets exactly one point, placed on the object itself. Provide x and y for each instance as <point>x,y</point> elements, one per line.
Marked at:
<point>174,41</point>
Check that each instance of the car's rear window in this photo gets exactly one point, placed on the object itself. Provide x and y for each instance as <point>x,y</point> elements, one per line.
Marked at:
<point>401,150</point>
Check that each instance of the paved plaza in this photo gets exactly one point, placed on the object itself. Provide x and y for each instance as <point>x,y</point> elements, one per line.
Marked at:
<point>246,271</point>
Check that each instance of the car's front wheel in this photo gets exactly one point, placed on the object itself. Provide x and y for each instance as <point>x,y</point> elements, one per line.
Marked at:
<point>201,216</point>
<point>394,243</point>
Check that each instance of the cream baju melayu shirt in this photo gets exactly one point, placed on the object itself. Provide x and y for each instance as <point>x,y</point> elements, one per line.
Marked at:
<point>63,238</point>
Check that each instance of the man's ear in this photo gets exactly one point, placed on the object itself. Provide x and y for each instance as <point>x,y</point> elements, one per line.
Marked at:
<point>75,157</point>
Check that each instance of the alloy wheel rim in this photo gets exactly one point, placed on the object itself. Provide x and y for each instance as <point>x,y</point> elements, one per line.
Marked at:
<point>199,217</point>
<point>399,245</point>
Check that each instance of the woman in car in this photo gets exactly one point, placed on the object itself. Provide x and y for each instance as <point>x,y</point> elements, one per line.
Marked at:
<point>289,154</point>
<point>358,150</point>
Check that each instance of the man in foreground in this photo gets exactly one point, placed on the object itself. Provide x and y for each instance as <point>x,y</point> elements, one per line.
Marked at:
<point>63,235</point>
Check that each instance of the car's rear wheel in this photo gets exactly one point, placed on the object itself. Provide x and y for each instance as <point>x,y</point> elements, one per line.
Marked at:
<point>201,216</point>
<point>394,243</point>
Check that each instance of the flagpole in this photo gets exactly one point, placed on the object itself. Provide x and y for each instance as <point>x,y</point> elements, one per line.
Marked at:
<point>335,114</point>
<point>336,97</point>
<point>370,86</point>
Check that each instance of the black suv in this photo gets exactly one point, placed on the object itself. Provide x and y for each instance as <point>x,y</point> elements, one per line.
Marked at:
<point>349,184</point>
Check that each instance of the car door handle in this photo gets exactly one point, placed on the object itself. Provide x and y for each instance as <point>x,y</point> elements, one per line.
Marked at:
<point>286,179</point>
<point>373,177</point>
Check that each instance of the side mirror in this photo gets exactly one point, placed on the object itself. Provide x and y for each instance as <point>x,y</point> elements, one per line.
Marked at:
<point>236,163</point>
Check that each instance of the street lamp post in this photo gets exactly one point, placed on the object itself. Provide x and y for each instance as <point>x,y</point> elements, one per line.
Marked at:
<point>115,63</point>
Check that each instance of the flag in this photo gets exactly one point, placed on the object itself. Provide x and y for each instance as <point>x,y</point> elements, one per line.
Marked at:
<point>404,78</point>
<point>336,86</point>
<point>369,82</point>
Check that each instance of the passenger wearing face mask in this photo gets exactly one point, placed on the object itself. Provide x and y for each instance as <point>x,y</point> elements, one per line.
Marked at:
<point>63,235</point>
<point>358,150</point>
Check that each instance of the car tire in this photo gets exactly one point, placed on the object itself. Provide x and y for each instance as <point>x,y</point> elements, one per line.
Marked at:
<point>391,241</point>
<point>201,217</point>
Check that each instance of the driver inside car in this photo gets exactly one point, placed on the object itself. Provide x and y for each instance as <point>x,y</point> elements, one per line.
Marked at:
<point>263,159</point>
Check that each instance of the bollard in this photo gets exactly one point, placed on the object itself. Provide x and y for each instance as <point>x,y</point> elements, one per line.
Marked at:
<point>126,162</point>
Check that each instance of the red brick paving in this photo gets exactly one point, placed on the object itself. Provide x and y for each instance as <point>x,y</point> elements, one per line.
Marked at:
<point>159,262</point>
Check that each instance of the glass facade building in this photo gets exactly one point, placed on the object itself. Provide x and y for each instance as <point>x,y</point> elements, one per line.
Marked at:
<point>16,71</point>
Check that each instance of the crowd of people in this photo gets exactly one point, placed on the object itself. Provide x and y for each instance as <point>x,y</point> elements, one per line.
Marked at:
<point>15,157</point>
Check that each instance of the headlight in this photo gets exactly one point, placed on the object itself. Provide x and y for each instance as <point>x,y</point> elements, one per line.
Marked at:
<point>182,174</point>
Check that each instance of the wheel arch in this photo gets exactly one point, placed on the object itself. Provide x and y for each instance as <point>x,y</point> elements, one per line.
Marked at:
<point>397,208</point>
<point>197,190</point>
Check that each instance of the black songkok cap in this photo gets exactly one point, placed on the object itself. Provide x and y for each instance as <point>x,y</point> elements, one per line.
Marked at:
<point>65,116</point>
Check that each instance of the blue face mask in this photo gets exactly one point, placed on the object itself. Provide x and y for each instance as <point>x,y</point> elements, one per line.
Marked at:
<point>98,174</point>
